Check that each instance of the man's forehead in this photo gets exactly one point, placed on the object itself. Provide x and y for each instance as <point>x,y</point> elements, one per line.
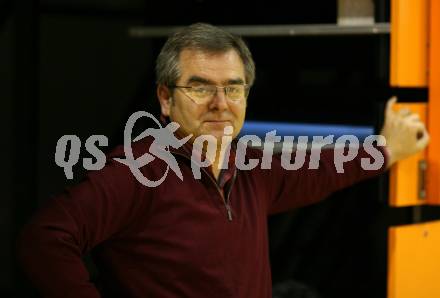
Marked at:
<point>223,66</point>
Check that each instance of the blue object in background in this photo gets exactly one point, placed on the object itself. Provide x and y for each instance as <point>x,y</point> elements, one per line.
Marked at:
<point>260,129</point>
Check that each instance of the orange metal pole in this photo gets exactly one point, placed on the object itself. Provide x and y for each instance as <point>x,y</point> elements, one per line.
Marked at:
<point>433,179</point>
<point>409,43</point>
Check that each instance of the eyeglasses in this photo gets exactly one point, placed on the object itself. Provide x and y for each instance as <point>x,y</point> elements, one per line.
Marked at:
<point>202,94</point>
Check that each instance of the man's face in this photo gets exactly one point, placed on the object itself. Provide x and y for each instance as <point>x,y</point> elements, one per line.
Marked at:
<point>200,68</point>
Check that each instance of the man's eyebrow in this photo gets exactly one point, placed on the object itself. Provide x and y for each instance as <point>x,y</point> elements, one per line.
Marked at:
<point>237,81</point>
<point>197,79</point>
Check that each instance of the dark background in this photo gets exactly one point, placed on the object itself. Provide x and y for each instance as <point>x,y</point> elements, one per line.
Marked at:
<point>70,67</point>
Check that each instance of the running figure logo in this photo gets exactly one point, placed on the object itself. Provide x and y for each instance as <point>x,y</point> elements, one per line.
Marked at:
<point>163,139</point>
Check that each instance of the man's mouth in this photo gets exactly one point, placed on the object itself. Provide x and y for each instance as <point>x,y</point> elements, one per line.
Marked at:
<point>217,121</point>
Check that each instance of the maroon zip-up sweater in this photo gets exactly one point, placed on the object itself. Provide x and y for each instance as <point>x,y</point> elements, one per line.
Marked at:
<point>174,240</point>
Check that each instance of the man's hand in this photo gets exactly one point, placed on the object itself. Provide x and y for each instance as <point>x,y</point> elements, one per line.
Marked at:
<point>404,132</point>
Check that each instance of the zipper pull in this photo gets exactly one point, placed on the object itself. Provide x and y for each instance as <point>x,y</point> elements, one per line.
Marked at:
<point>228,208</point>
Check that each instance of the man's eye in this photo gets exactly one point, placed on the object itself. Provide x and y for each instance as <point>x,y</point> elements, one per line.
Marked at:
<point>234,90</point>
<point>200,90</point>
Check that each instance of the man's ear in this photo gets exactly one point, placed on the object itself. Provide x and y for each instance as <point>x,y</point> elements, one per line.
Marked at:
<point>164,96</point>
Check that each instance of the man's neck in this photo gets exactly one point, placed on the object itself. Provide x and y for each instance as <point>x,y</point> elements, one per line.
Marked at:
<point>218,161</point>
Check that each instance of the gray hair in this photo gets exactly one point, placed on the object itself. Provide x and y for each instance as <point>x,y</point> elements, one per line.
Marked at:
<point>204,37</point>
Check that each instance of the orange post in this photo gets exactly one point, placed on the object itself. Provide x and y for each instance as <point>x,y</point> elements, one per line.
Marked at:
<point>414,261</point>
<point>434,105</point>
<point>409,43</point>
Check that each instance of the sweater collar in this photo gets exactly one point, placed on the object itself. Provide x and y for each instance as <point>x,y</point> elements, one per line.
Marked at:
<point>187,150</point>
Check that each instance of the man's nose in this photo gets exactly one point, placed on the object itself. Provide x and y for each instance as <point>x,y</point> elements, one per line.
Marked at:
<point>219,101</point>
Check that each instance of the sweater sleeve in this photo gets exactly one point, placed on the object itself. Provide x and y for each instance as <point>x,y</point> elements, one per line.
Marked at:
<point>50,247</point>
<point>296,188</point>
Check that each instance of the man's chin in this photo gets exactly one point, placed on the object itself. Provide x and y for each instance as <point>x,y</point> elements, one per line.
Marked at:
<point>214,125</point>
<point>218,131</point>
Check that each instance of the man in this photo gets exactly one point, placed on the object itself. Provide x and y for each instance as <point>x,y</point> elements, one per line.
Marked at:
<point>194,238</point>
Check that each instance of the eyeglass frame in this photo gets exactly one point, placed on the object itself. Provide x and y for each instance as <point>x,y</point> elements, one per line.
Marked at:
<point>246,86</point>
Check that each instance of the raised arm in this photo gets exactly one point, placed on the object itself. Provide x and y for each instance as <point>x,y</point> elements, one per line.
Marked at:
<point>404,135</point>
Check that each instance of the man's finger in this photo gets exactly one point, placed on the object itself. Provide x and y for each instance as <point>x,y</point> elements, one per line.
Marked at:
<point>404,112</point>
<point>419,129</point>
<point>413,117</point>
<point>423,141</point>
<point>389,107</point>
<point>420,126</point>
